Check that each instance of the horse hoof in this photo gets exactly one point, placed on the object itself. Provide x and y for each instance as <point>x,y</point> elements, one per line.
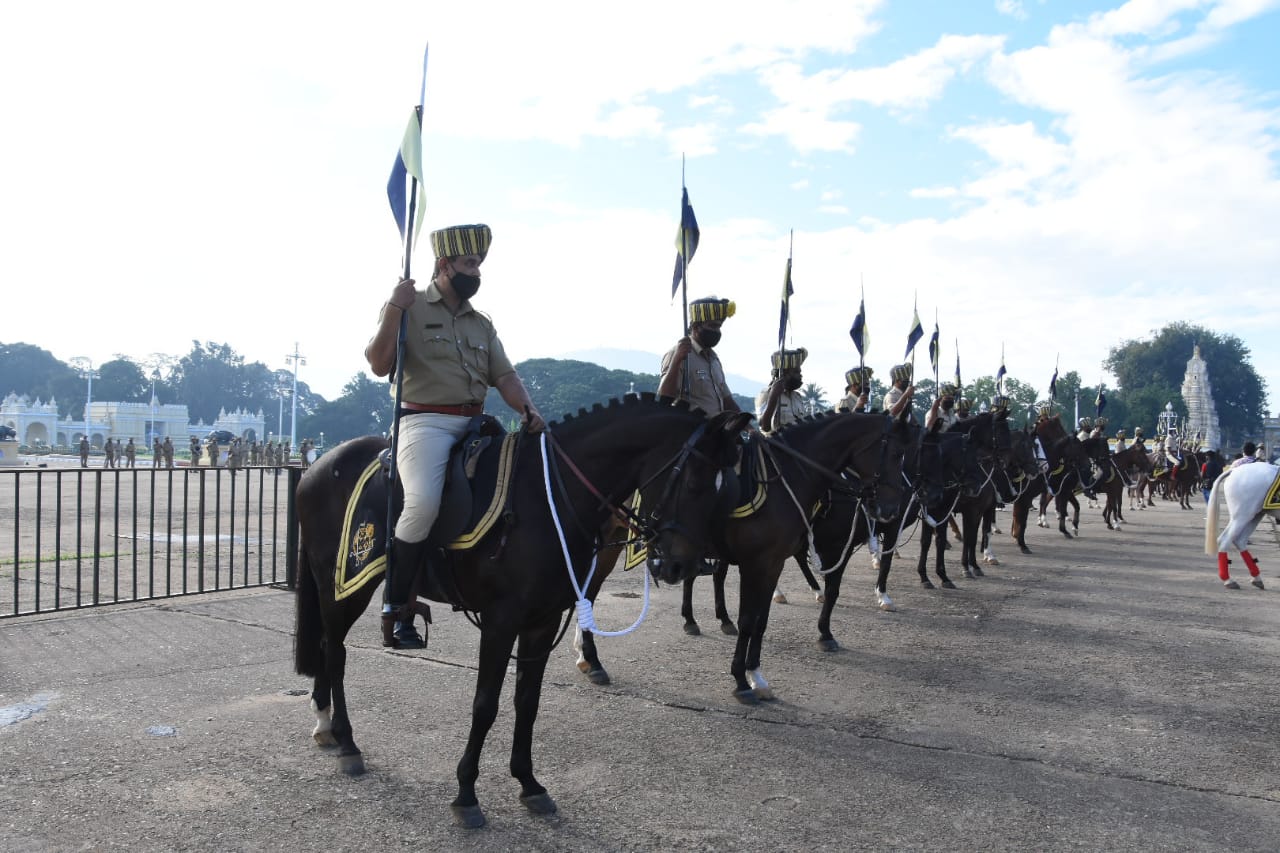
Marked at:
<point>729,629</point>
<point>692,629</point>
<point>779,598</point>
<point>991,561</point>
<point>1231,584</point>
<point>599,677</point>
<point>584,667</point>
<point>746,697</point>
<point>1258,583</point>
<point>926,584</point>
<point>968,574</point>
<point>820,597</point>
<point>351,765</point>
<point>828,645</point>
<point>468,817</point>
<point>948,585</point>
<point>978,573</point>
<point>1024,549</point>
<point>765,694</point>
<point>539,803</point>
<point>325,739</point>
<point>885,603</point>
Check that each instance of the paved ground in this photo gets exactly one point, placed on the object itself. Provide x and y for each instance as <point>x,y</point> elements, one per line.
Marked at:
<point>1102,694</point>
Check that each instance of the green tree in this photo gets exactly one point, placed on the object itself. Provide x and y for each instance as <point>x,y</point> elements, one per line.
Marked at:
<point>38,374</point>
<point>814,398</point>
<point>365,408</point>
<point>1238,392</point>
<point>123,381</point>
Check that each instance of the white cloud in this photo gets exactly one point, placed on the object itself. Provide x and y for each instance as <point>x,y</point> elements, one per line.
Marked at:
<point>801,184</point>
<point>839,209</point>
<point>830,195</point>
<point>697,140</point>
<point>1012,8</point>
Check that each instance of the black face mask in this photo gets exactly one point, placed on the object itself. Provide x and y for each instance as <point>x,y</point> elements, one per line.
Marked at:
<point>707,338</point>
<point>794,383</point>
<point>947,404</point>
<point>465,284</point>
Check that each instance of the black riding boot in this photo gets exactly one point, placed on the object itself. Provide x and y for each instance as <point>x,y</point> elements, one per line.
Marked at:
<point>408,560</point>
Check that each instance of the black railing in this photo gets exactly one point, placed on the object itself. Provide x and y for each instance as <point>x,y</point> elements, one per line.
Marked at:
<point>131,534</point>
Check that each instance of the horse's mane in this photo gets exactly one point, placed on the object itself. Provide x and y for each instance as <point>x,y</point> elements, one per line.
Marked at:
<point>645,399</point>
<point>807,420</point>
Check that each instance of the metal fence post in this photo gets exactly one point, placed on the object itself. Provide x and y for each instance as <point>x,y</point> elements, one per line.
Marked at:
<point>291,530</point>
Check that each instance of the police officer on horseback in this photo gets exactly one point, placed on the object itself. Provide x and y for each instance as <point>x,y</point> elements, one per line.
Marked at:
<point>452,356</point>
<point>780,402</point>
<point>857,391</point>
<point>691,370</point>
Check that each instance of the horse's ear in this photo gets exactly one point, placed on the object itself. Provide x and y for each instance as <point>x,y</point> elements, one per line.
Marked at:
<point>735,421</point>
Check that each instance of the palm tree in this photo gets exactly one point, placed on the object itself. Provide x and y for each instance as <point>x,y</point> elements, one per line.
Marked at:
<point>815,399</point>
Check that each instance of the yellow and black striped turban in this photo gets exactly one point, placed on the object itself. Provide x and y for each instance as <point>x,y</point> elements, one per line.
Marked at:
<point>461,240</point>
<point>946,389</point>
<point>900,372</point>
<point>859,377</point>
<point>711,309</point>
<point>789,358</point>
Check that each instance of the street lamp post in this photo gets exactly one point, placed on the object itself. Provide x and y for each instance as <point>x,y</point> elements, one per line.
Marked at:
<point>295,358</point>
<point>88,373</point>
<point>155,377</point>
<point>1168,419</point>
<point>280,389</point>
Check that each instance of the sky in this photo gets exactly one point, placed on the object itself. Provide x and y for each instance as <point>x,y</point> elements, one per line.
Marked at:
<point>1046,178</point>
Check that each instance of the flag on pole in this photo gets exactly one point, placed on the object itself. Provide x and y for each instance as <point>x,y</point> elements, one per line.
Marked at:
<point>1000,375</point>
<point>686,240</point>
<point>916,333</point>
<point>1053,384</point>
<point>408,166</point>
<point>959,384</point>
<point>933,349</point>
<point>861,337</point>
<point>787,291</point>
<point>1100,402</point>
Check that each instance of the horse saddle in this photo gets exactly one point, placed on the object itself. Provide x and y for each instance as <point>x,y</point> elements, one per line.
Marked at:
<point>477,483</point>
<point>469,482</point>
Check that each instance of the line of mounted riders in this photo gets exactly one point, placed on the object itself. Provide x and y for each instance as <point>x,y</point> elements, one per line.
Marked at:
<point>696,492</point>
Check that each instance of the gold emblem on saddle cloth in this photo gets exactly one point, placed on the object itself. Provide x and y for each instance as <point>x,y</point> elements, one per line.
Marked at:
<point>359,540</point>
<point>1272,500</point>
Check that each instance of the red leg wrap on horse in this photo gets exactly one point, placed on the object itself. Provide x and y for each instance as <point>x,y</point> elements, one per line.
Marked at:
<point>1250,562</point>
<point>1222,566</point>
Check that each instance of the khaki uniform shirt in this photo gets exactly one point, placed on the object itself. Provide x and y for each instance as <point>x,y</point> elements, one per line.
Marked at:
<point>947,419</point>
<point>790,407</point>
<point>849,403</point>
<point>707,388</point>
<point>892,396</point>
<point>450,358</point>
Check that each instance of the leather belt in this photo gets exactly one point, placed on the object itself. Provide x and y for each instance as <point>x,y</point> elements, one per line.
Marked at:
<point>468,410</point>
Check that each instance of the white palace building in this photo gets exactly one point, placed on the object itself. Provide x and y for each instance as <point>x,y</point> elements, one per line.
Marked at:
<point>36,422</point>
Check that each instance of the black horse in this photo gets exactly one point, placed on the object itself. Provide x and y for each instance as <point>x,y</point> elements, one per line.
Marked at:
<point>1069,471</point>
<point>985,450</point>
<point>804,461</point>
<point>515,579</point>
<point>1028,482</point>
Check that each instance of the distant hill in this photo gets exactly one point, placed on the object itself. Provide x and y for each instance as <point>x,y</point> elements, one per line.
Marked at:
<point>638,361</point>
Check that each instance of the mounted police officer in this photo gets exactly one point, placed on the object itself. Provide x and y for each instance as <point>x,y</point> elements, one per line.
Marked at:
<point>780,402</point>
<point>1121,444</point>
<point>857,391</point>
<point>943,410</point>
<point>452,357</point>
<point>899,397</point>
<point>691,370</point>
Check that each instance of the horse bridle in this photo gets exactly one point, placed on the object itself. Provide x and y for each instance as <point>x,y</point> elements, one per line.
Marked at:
<point>650,526</point>
<point>865,491</point>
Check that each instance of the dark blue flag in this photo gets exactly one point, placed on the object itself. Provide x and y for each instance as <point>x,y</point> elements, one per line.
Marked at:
<point>916,333</point>
<point>787,291</point>
<point>1053,385</point>
<point>933,349</point>
<point>1100,402</point>
<point>686,240</point>
<point>861,337</point>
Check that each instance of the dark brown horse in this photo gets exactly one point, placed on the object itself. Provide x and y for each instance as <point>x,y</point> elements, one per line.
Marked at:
<point>1069,471</point>
<point>803,461</point>
<point>515,580</point>
<point>1119,471</point>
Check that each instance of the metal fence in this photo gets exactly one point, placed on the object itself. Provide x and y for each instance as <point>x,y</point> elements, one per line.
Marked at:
<point>85,537</point>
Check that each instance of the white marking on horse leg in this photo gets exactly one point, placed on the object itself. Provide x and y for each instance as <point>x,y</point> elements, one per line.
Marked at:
<point>323,732</point>
<point>759,684</point>
<point>989,557</point>
<point>779,597</point>
<point>885,602</point>
<point>581,662</point>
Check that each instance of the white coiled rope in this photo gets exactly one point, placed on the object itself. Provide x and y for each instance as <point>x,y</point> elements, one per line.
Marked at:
<point>586,613</point>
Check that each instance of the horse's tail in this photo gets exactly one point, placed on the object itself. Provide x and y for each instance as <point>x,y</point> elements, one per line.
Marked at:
<point>308,647</point>
<point>1211,517</point>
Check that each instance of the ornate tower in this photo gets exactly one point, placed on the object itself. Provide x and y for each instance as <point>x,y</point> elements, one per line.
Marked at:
<point>1202,417</point>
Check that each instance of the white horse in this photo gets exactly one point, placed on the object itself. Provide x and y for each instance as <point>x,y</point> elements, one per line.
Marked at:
<point>1246,489</point>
